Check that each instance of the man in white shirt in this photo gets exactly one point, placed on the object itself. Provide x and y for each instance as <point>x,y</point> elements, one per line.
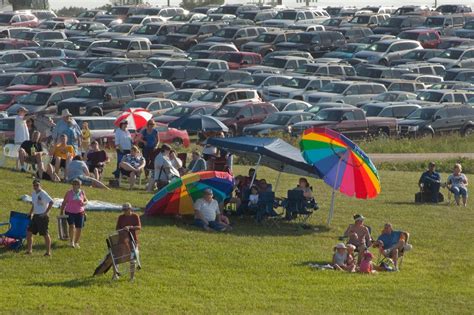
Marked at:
<point>164,169</point>
<point>207,214</point>
<point>21,130</point>
<point>39,213</point>
<point>123,144</point>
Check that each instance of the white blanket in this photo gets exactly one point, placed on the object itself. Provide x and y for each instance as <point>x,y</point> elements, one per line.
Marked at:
<point>92,205</point>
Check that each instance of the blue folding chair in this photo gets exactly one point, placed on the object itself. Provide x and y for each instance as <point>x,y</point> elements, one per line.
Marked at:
<point>297,207</point>
<point>266,205</point>
<point>17,226</point>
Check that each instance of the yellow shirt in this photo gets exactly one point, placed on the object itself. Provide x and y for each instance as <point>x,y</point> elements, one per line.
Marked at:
<point>86,135</point>
<point>61,151</point>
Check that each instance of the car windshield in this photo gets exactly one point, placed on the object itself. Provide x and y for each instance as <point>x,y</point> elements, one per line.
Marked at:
<point>119,11</point>
<point>148,30</point>
<point>135,104</point>
<point>179,111</point>
<point>423,114</point>
<point>334,87</point>
<point>232,57</point>
<point>430,96</point>
<point>213,97</point>
<point>301,38</point>
<point>392,22</point>
<point>386,97</point>
<point>257,80</point>
<point>77,63</point>
<point>5,18</point>
<point>277,119</point>
<point>227,112</point>
<point>87,14</point>
<point>46,25</point>
<point>25,35</point>
<point>371,111</point>
<point>189,29</point>
<point>134,20</point>
<point>328,115</point>
<point>105,68</point>
<point>415,54</point>
<point>226,32</point>
<point>297,83</point>
<point>38,79</point>
<point>408,35</point>
<point>5,98</point>
<point>118,44</point>
<point>5,80</point>
<point>35,98</point>
<point>80,27</point>
<point>121,28</point>
<point>95,92</point>
<point>265,38</point>
<point>469,26</point>
<point>331,22</point>
<point>434,21</point>
<point>361,19</point>
<point>378,47</point>
<point>180,96</point>
<point>275,62</point>
<point>451,54</point>
<point>163,73</point>
<point>29,63</point>
<point>285,15</point>
<point>181,18</point>
<point>348,48</point>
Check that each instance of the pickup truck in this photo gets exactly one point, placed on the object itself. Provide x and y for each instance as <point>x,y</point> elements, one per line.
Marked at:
<point>129,47</point>
<point>351,122</point>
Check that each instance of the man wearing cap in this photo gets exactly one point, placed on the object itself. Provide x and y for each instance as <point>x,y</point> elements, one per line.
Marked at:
<point>207,213</point>
<point>21,129</point>
<point>430,182</point>
<point>64,127</point>
<point>123,144</point>
<point>358,234</point>
<point>39,213</point>
<point>392,242</point>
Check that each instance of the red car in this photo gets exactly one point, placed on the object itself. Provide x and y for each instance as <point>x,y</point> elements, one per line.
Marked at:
<point>237,59</point>
<point>428,38</point>
<point>18,19</point>
<point>168,135</point>
<point>43,80</point>
<point>12,44</point>
<point>7,99</point>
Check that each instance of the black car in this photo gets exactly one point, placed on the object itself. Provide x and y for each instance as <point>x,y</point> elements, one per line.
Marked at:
<point>417,55</point>
<point>120,70</point>
<point>438,119</point>
<point>397,24</point>
<point>317,43</point>
<point>177,75</point>
<point>78,65</point>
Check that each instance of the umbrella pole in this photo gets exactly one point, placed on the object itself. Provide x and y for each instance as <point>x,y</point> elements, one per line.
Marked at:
<point>256,169</point>
<point>333,195</point>
<point>277,182</point>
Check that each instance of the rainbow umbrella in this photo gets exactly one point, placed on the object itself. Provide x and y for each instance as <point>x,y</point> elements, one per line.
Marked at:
<point>180,194</point>
<point>341,163</point>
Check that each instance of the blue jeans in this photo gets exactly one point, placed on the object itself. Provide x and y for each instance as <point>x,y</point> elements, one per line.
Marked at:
<point>459,191</point>
<point>120,155</point>
<point>211,224</point>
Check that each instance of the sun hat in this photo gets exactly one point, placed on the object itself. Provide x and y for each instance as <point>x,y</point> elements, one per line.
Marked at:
<point>66,113</point>
<point>340,245</point>
<point>359,217</point>
<point>126,206</point>
<point>351,246</point>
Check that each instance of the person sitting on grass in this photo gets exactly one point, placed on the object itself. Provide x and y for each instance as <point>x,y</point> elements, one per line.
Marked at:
<point>430,182</point>
<point>207,214</point>
<point>359,235</point>
<point>128,221</point>
<point>39,213</point>
<point>132,165</point>
<point>60,152</point>
<point>77,169</point>
<point>73,206</point>
<point>457,183</point>
<point>96,160</point>
<point>391,242</point>
<point>340,257</point>
<point>366,265</point>
<point>31,152</point>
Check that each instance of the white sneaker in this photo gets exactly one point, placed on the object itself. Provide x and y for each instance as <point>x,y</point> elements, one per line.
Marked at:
<point>72,244</point>
<point>115,277</point>
<point>76,246</point>
<point>407,247</point>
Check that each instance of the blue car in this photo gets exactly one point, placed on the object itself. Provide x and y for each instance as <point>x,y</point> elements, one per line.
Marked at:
<point>346,52</point>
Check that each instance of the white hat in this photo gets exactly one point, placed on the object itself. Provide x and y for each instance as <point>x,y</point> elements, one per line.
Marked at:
<point>340,245</point>
<point>66,112</point>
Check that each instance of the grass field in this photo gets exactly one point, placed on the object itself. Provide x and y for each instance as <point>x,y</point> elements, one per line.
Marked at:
<point>252,270</point>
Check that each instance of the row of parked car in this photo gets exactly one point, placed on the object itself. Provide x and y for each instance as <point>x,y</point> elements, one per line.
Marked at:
<point>374,71</point>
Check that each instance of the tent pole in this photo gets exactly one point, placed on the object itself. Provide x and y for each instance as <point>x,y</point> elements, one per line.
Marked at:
<point>277,182</point>
<point>256,169</point>
<point>333,195</point>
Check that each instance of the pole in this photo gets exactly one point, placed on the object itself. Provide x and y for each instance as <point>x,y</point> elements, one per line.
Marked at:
<point>333,195</point>
<point>277,182</point>
<point>256,169</point>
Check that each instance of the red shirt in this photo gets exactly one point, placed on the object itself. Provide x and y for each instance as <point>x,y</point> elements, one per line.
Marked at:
<point>129,220</point>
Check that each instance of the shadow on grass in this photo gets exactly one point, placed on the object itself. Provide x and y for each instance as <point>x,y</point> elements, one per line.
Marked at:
<point>241,227</point>
<point>411,203</point>
<point>73,283</point>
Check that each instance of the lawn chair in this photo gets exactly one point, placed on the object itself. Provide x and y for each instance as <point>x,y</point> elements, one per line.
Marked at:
<point>265,209</point>
<point>401,253</point>
<point>17,227</point>
<point>296,207</point>
<point>122,249</point>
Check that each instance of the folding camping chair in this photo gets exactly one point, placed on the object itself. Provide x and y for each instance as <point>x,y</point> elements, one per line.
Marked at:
<point>265,209</point>
<point>296,207</point>
<point>122,249</point>
<point>381,258</point>
<point>17,226</point>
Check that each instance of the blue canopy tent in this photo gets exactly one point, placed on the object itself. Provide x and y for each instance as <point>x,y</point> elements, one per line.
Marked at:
<point>272,152</point>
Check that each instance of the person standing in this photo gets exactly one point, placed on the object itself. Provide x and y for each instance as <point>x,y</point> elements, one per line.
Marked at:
<point>73,206</point>
<point>130,222</point>
<point>85,137</point>
<point>39,213</point>
<point>21,129</point>
<point>123,144</point>
<point>149,138</point>
<point>64,124</point>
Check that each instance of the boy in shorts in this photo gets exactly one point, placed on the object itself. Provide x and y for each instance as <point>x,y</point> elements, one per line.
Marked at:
<point>39,213</point>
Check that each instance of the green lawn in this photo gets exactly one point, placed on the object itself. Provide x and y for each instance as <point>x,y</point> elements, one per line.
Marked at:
<point>253,269</point>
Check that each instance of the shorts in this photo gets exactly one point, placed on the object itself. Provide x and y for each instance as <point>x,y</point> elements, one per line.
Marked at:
<point>30,159</point>
<point>92,168</point>
<point>211,224</point>
<point>76,219</point>
<point>125,173</point>
<point>62,164</point>
<point>39,225</point>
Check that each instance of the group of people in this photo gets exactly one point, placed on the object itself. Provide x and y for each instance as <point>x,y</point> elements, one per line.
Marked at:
<point>430,183</point>
<point>391,243</point>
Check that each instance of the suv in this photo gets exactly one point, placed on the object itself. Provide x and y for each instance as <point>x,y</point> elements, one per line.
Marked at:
<point>399,23</point>
<point>438,119</point>
<point>98,99</point>
<point>120,70</point>
<point>428,38</point>
<point>266,42</point>
<point>445,24</point>
<point>223,96</point>
<point>190,34</point>
<point>430,96</point>
<point>41,36</point>
<point>288,63</point>
<point>285,18</point>
<point>318,43</point>
<point>236,34</point>
<point>156,32</point>
<point>345,92</point>
<point>458,57</point>
<point>385,51</point>
<point>238,115</point>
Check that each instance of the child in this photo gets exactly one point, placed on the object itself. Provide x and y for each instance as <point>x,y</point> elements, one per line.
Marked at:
<point>340,257</point>
<point>85,137</point>
<point>366,265</point>
<point>253,197</point>
<point>350,262</point>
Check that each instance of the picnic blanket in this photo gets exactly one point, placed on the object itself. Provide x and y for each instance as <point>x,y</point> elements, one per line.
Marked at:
<point>92,205</point>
